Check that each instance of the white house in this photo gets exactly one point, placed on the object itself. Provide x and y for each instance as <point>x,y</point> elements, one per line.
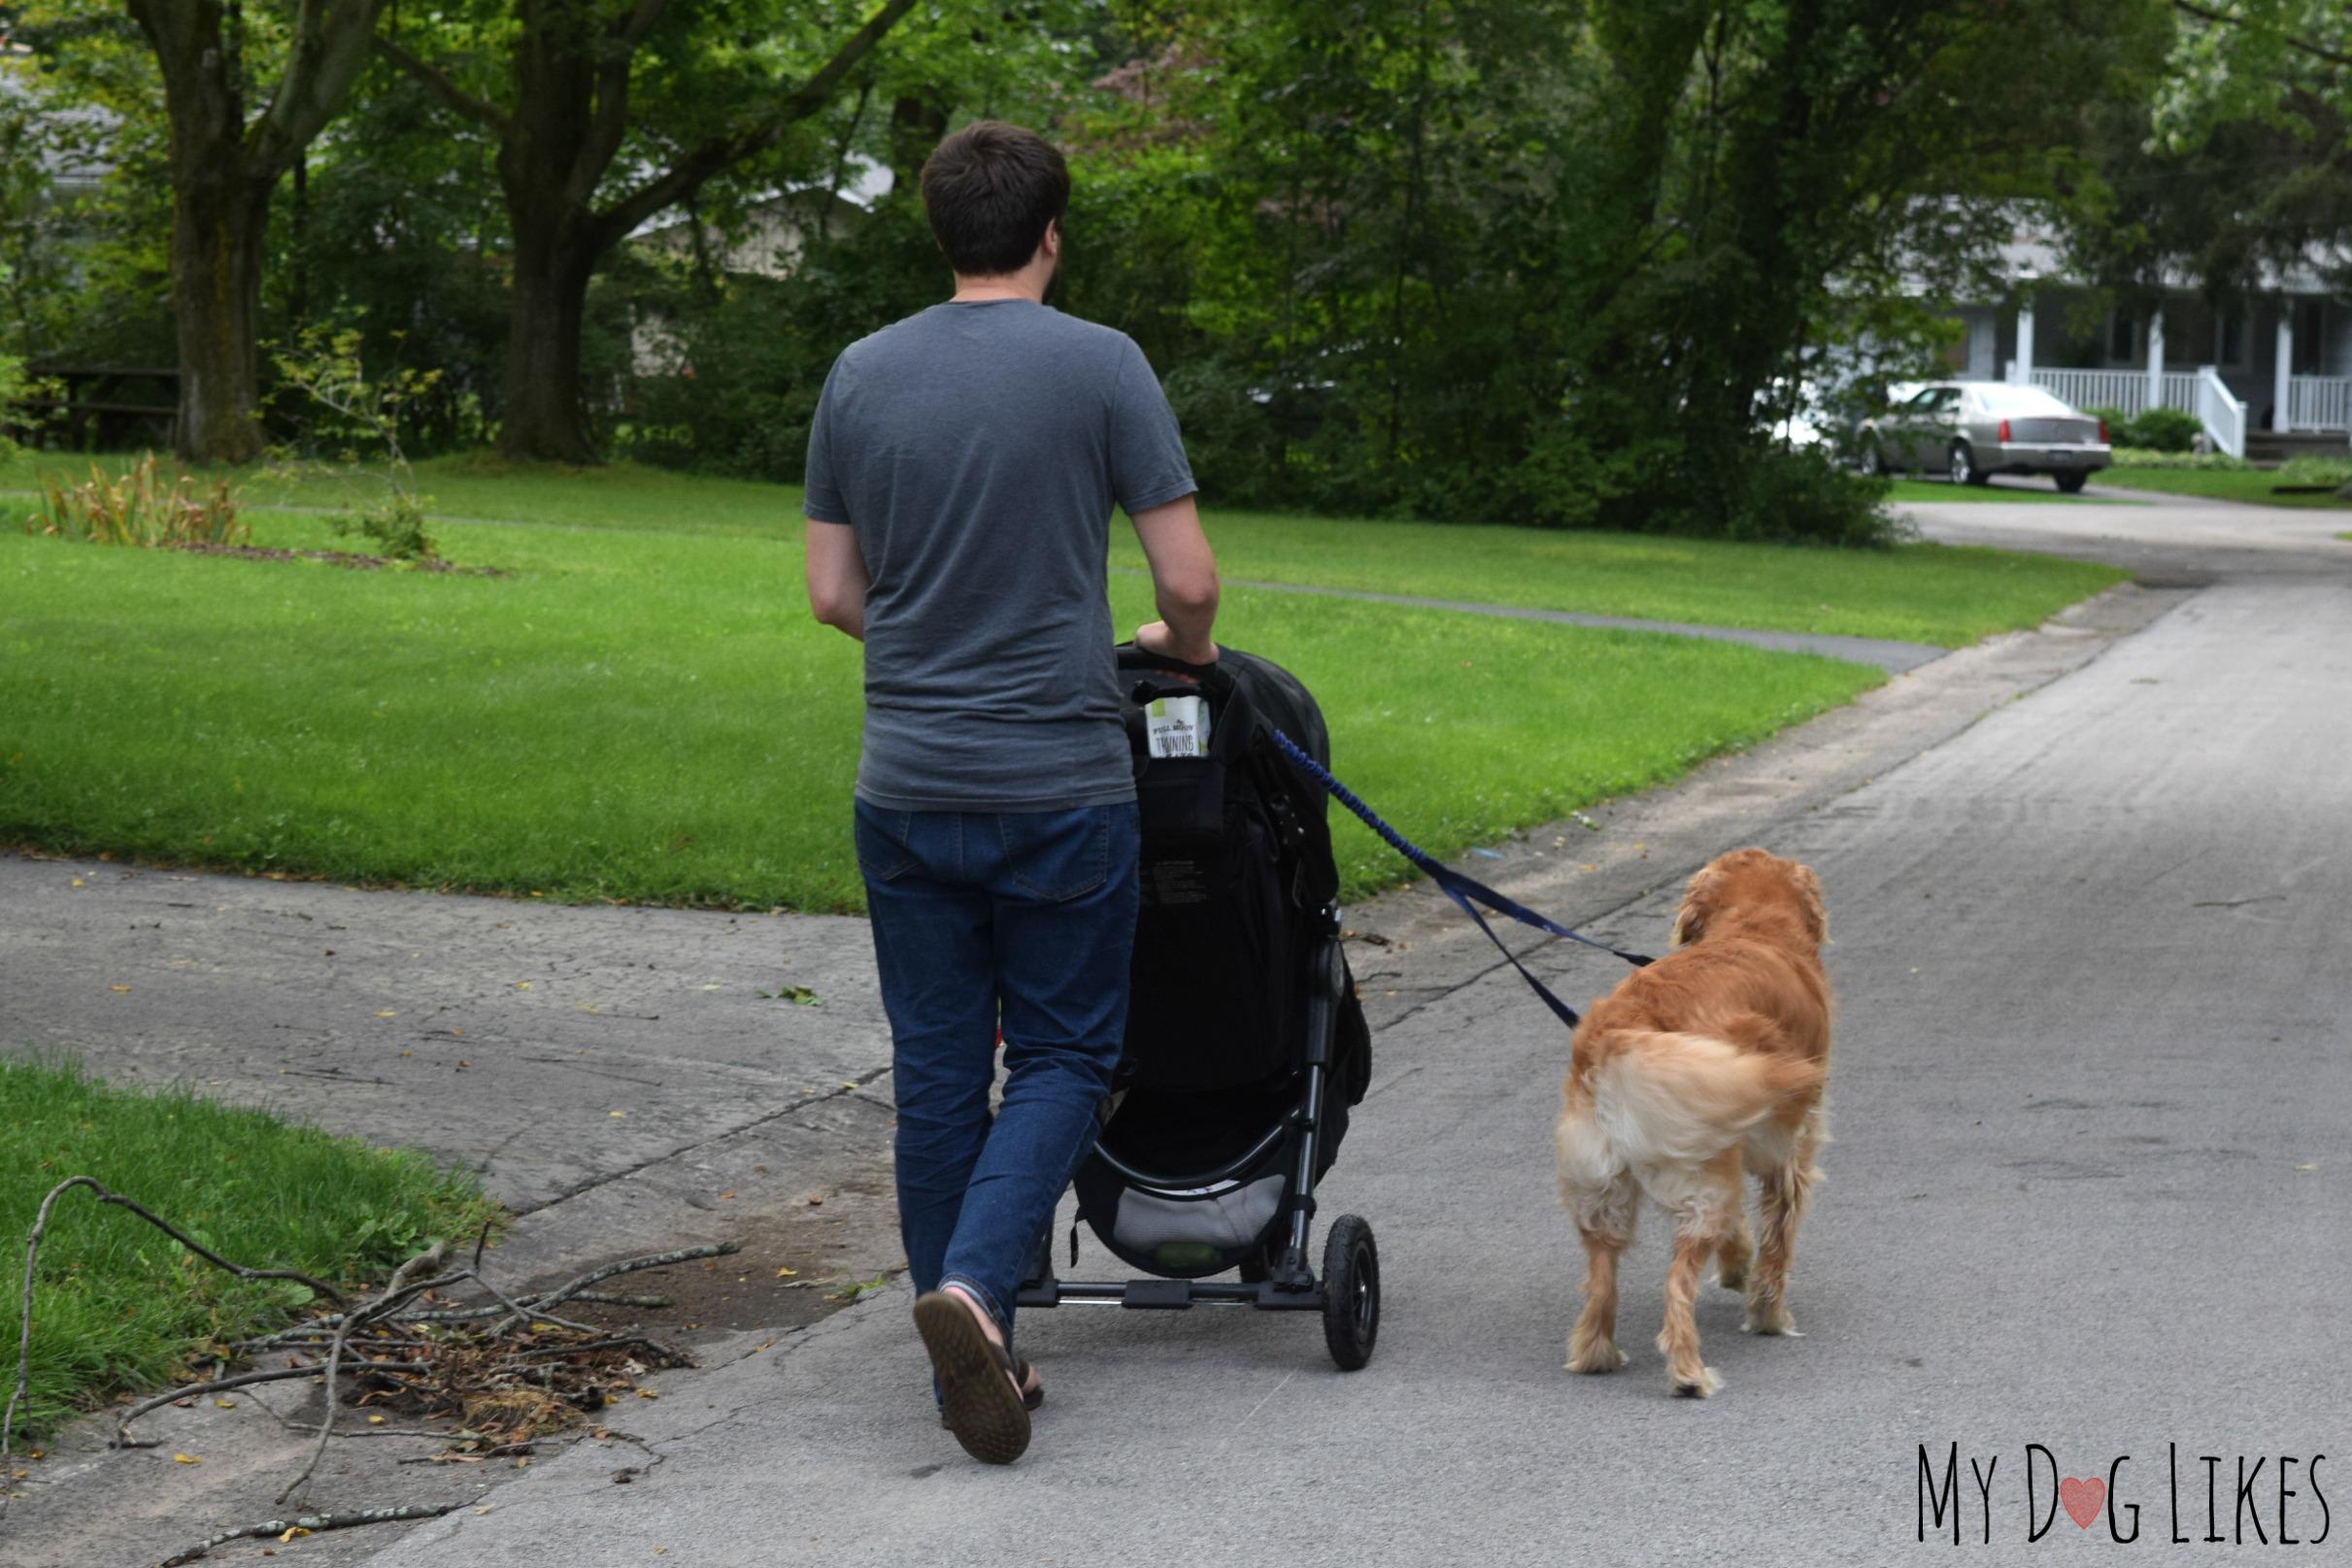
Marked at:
<point>768,244</point>
<point>2275,369</point>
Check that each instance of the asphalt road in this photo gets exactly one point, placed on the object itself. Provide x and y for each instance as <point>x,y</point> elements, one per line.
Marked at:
<point>2092,1096</point>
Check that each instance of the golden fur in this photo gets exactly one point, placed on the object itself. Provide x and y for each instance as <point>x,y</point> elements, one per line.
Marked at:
<point>1708,1060</point>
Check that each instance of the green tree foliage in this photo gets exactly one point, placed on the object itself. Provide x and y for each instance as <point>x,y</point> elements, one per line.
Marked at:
<point>2234,159</point>
<point>603,116</point>
<point>84,187</point>
<point>1574,262</point>
<point>1558,261</point>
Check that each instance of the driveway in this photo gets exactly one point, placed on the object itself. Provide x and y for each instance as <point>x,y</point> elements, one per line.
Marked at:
<point>2084,1216</point>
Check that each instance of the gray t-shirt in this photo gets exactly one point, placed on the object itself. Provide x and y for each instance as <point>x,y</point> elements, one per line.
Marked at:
<point>977,450</point>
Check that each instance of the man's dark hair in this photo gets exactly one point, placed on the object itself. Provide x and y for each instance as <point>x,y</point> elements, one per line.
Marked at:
<point>990,189</point>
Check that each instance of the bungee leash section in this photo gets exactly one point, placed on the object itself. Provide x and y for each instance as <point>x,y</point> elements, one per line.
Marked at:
<point>1465,892</point>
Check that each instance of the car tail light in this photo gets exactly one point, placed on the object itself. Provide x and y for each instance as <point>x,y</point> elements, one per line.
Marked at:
<point>2102,432</point>
<point>2004,432</point>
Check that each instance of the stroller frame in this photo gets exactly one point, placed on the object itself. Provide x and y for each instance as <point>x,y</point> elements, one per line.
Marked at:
<point>1291,1284</point>
<point>1282,1276</point>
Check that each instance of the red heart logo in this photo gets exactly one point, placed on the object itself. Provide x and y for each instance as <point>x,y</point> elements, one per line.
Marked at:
<point>2082,1500</point>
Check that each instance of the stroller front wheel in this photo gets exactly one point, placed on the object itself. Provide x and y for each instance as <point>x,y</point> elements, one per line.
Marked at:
<point>1351,1292</point>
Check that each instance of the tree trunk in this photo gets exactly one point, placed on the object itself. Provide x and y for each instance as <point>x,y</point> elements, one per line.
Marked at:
<point>218,215</point>
<point>223,173</point>
<point>218,227</point>
<point>541,418</point>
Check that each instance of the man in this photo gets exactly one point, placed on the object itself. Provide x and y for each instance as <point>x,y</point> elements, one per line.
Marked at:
<point>962,467</point>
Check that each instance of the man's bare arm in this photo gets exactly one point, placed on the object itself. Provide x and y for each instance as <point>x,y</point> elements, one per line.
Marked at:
<point>1184,582</point>
<point>836,575</point>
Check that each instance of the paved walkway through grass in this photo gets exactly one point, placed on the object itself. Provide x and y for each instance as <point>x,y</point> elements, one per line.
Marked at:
<point>1891,656</point>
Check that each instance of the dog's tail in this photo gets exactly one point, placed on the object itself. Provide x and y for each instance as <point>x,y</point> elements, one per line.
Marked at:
<point>1686,1097</point>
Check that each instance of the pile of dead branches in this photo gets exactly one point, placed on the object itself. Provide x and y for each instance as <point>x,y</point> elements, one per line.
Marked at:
<point>436,1342</point>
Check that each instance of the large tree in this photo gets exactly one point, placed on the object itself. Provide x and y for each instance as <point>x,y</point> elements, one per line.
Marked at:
<point>225,163</point>
<point>574,72</point>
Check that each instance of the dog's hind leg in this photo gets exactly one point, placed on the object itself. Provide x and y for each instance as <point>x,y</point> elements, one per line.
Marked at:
<point>1704,1216</point>
<point>1732,1258</point>
<point>1787,1190</point>
<point>1605,1219</point>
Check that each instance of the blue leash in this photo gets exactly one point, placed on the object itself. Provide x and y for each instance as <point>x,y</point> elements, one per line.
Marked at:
<point>1466,894</point>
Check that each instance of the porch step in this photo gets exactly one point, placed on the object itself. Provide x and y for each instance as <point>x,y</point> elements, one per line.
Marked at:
<point>2277,445</point>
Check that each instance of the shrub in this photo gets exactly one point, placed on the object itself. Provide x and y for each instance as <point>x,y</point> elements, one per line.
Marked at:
<point>2164,430</point>
<point>356,412</point>
<point>2129,456</point>
<point>137,508</point>
<point>1805,496</point>
<point>2315,471</point>
<point>2117,422</point>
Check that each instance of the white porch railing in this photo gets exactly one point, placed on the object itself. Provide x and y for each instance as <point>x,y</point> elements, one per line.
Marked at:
<point>2124,389</point>
<point>2224,417</point>
<point>2319,403</point>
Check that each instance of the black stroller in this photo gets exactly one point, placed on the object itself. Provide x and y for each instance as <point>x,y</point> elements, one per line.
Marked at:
<point>1245,1042</point>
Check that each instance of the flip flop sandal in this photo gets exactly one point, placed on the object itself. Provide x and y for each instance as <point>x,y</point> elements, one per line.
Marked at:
<point>1031,1398</point>
<point>976,1394</point>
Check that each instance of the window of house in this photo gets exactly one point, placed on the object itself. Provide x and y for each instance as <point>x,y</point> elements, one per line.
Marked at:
<point>2310,321</point>
<point>2120,338</point>
<point>2229,338</point>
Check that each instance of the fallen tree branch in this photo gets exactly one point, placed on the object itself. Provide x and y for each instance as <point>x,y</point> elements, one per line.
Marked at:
<point>122,1423</point>
<point>633,1265</point>
<point>395,1295</point>
<point>506,1388</point>
<point>312,1524</point>
<point>32,1254</point>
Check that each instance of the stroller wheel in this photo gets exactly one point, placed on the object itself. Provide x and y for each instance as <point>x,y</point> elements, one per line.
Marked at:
<point>1351,1292</point>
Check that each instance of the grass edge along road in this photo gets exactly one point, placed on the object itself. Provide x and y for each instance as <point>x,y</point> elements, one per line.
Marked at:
<point>2246,487</point>
<point>117,1305</point>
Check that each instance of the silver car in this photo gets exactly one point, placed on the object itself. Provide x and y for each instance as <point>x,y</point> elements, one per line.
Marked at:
<point>1972,430</point>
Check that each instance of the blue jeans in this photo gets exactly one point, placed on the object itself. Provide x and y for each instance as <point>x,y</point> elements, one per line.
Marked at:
<point>1019,920</point>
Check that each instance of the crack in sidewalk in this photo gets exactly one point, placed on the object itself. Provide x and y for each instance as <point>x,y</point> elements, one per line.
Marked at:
<point>848,1087</point>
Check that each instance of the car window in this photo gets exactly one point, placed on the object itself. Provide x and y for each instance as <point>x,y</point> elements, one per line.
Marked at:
<point>1940,399</point>
<point>1922,401</point>
<point>2020,400</point>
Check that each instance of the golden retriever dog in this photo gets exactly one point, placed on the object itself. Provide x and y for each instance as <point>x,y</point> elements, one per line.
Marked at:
<point>1709,1061</point>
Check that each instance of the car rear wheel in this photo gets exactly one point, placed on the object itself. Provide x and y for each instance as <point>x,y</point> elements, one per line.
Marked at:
<point>1964,465</point>
<point>2072,484</point>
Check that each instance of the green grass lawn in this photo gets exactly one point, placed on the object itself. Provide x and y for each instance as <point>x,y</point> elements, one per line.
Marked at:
<point>1999,487</point>
<point>651,717</point>
<point>1928,593</point>
<point>642,710</point>
<point>118,1305</point>
<point>2248,485</point>
<point>1941,594</point>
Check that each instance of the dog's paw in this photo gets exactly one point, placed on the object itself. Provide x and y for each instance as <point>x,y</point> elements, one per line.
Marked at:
<point>1601,1356</point>
<point>1703,1386</point>
<point>1775,1322</point>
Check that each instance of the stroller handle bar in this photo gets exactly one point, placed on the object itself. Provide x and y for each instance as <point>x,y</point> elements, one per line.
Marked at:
<point>1214,678</point>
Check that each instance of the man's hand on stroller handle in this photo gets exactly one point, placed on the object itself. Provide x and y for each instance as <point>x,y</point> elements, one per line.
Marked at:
<point>1160,638</point>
